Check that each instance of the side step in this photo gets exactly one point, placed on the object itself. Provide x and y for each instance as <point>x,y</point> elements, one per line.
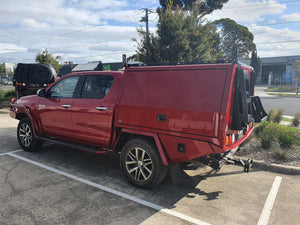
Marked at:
<point>77,146</point>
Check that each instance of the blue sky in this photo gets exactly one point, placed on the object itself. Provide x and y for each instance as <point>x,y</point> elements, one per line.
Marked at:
<point>90,30</point>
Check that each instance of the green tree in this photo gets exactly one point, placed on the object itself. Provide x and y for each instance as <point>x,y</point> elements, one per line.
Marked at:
<point>45,57</point>
<point>185,4</point>
<point>234,35</point>
<point>181,36</point>
<point>2,70</point>
<point>204,6</point>
<point>296,67</point>
<point>255,62</point>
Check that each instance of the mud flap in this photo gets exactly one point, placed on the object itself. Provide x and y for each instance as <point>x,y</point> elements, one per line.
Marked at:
<point>258,111</point>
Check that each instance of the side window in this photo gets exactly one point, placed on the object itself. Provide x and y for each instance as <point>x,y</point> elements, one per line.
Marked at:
<point>64,88</point>
<point>96,87</point>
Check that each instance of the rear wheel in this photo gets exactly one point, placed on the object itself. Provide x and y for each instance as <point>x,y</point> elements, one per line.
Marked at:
<point>141,164</point>
<point>26,138</point>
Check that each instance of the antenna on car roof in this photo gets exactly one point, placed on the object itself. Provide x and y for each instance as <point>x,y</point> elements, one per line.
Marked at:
<point>235,54</point>
<point>124,60</point>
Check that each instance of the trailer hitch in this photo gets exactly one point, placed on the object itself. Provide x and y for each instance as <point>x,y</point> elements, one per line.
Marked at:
<point>246,164</point>
<point>216,161</point>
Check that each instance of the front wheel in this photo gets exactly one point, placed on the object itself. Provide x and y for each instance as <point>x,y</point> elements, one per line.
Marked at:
<point>26,138</point>
<point>141,164</point>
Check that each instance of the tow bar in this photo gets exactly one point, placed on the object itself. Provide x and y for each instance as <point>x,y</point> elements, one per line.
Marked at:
<point>246,164</point>
<point>216,161</point>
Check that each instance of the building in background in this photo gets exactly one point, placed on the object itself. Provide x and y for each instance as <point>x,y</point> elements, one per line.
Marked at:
<point>278,70</point>
<point>8,70</point>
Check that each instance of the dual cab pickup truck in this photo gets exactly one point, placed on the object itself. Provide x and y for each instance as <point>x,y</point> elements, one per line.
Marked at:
<point>154,116</point>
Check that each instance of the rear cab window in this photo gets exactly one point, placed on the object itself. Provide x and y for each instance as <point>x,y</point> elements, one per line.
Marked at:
<point>96,86</point>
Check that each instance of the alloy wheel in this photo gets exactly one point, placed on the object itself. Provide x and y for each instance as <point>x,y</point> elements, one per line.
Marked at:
<point>139,164</point>
<point>25,134</point>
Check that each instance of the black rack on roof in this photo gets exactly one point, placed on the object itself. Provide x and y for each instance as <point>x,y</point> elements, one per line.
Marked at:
<point>180,63</point>
<point>137,64</point>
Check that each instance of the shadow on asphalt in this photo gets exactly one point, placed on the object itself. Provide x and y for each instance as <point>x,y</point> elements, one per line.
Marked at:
<point>105,170</point>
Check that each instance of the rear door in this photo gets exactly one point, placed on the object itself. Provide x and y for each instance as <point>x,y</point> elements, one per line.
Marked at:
<point>92,112</point>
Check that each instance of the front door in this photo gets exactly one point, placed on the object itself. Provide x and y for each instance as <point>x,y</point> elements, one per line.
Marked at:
<point>55,110</point>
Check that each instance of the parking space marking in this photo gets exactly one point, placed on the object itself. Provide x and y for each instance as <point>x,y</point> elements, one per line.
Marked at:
<point>112,191</point>
<point>6,153</point>
<point>266,212</point>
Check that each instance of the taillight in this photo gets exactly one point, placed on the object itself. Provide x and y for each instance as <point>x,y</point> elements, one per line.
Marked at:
<point>233,136</point>
<point>13,100</point>
<point>230,138</point>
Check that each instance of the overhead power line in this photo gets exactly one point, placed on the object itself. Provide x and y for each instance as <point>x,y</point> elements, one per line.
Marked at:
<point>259,4</point>
<point>277,42</point>
<point>277,23</point>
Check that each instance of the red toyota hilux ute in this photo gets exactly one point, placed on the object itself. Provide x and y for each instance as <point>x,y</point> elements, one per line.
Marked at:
<point>154,116</point>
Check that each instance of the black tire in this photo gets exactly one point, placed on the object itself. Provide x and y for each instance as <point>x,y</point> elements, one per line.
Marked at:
<point>42,73</point>
<point>26,138</point>
<point>141,164</point>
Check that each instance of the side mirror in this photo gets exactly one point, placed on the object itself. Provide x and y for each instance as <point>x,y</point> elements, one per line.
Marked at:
<point>41,93</point>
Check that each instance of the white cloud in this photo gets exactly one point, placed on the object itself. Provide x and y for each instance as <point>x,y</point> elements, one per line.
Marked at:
<point>54,12</point>
<point>247,11</point>
<point>79,43</point>
<point>33,24</point>
<point>6,48</point>
<point>291,17</point>
<point>103,4</point>
<point>276,42</point>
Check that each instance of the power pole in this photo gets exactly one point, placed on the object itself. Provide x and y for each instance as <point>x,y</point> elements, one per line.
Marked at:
<point>146,19</point>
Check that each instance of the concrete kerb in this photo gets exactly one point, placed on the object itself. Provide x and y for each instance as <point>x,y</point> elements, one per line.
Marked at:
<point>272,167</point>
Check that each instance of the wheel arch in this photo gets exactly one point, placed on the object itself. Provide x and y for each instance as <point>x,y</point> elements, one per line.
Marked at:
<point>127,134</point>
<point>20,116</point>
<point>24,113</point>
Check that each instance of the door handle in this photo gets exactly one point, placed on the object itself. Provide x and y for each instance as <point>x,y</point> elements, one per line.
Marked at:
<point>101,108</point>
<point>66,106</point>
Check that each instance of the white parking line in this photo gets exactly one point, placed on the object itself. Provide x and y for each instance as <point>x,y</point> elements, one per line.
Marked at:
<point>266,212</point>
<point>5,153</point>
<point>112,191</point>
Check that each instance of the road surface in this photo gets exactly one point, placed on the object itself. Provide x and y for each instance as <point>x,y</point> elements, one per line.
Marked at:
<point>290,105</point>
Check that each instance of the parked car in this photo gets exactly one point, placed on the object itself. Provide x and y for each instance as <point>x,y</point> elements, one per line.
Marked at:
<point>154,116</point>
<point>5,81</point>
<point>29,78</point>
